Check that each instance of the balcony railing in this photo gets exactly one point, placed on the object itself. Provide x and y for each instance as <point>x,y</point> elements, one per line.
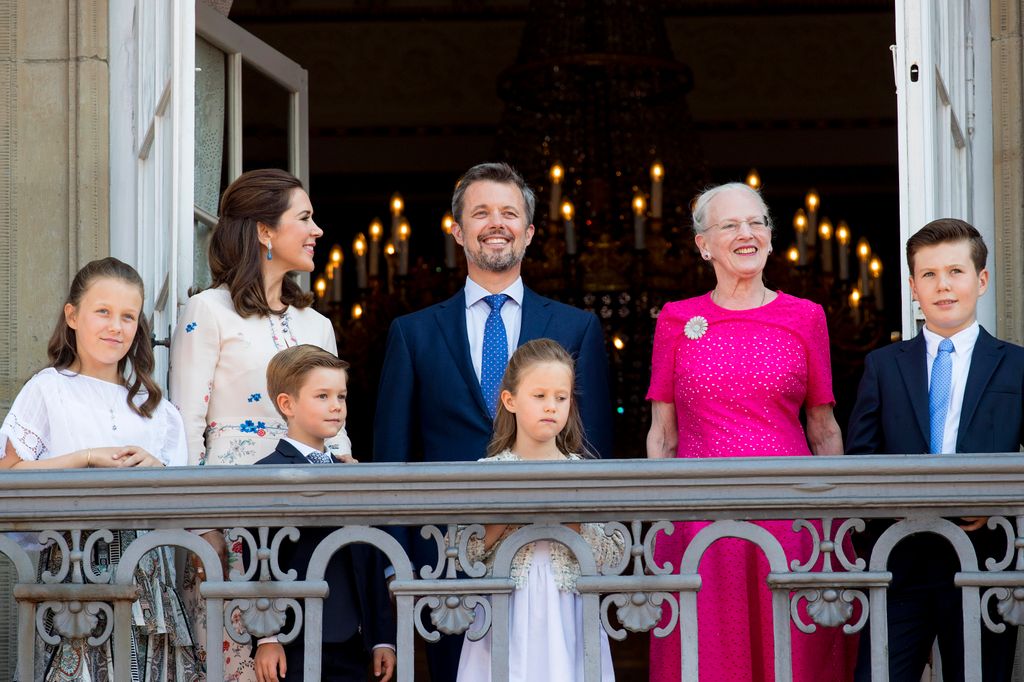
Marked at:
<point>635,498</point>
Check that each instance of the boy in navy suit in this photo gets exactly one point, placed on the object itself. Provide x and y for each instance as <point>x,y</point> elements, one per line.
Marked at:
<point>953,388</point>
<point>309,387</point>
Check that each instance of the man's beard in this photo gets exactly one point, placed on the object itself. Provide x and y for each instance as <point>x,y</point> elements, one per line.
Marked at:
<point>497,262</point>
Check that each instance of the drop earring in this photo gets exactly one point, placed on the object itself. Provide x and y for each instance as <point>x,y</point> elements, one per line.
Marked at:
<point>270,247</point>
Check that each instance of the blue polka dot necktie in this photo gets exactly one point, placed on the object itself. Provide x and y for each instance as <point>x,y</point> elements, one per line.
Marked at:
<point>938,394</point>
<point>319,458</point>
<point>495,352</point>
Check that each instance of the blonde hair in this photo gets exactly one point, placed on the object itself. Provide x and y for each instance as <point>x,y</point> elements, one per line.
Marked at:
<point>288,369</point>
<point>571,439</point>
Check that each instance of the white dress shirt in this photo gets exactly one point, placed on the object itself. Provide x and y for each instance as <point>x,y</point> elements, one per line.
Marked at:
<point>963,349</point>
<point>477,311</point>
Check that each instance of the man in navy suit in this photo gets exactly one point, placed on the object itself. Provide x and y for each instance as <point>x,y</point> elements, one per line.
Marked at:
<point>431,407</point>
<point>309,389</point>
<point>952,388</point>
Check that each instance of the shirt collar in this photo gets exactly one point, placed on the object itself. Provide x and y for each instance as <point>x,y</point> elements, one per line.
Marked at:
<point>963,340</point>
<point>476,293</point>
<point>303,449</point>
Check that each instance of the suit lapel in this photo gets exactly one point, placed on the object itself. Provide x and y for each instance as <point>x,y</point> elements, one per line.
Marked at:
<point>913,365</point>
<point>536,317</point>
<point>988,352</point>
<point>451,318</point>
<point>290,452</point>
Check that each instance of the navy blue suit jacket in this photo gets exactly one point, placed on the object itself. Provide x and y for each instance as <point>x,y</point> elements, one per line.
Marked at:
<point>891,413</point>
<point>358,600</point>
<point>891,417</point>
<point>430,407</point>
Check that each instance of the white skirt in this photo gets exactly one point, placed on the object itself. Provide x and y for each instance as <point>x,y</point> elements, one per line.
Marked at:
<point>546,631</point>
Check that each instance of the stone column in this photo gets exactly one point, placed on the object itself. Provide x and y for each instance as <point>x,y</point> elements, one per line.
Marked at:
<point>53,168</point>
<point>1007,141</point>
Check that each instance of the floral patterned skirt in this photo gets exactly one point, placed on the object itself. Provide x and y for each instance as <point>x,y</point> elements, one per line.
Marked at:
<point>162,640</point>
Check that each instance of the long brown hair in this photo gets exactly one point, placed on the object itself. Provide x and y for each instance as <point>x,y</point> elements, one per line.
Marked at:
<point>259,196</point>
<point>63,347</point>
<point>571,440</point>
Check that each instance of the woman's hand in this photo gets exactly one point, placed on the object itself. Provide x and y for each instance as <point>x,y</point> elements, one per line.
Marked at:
<point>134,456</point>
<point>216,540</point>
<point>823,431</point>
<point>663,438</point>
<point>347,459</point>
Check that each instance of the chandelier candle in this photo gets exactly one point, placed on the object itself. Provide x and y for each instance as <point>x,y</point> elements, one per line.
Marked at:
<point>570,229</point>
<point>639,222</point>
<point>359,249</point>
<point>800,228</point>
<point>376,230</point>
<point>876,280</point>
<point>813,202</point>
<point>557,173</point>
<point>397,206</point>
<point>334,273</point>
<point>864,254</point>
<point>825,232</point>
<point>449,240</point>
<point>657,179</point>
<point>404,232</point>
<point>843,239</point>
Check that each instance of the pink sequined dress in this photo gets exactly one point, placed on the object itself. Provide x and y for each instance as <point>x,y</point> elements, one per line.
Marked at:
<point>738,389</point>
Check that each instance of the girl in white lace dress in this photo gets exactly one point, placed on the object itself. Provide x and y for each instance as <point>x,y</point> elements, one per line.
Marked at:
<point>97,406</point>
<point>225,338</point>
<point>538,420</point>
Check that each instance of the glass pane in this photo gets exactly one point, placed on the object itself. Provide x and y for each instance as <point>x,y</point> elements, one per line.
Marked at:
<point>209,149</point>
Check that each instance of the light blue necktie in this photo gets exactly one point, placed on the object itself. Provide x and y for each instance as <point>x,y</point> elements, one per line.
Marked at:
<point>938,393</point>
<point>319,457</point>
<point>495,352</point>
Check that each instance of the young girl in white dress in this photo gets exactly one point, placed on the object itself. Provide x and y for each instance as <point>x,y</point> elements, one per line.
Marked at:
<point>538,420</point>
<point>96,405</point>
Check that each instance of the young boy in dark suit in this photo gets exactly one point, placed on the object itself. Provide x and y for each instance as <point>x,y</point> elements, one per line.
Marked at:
<point>952,388</point>
<point>309,388</point>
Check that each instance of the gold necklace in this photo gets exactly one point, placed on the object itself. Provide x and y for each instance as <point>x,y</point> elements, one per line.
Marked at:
<point>764,297</point>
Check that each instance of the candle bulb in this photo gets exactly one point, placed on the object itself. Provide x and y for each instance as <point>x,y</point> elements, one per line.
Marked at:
<point>639,222</point>
<point>825,232</point>
<point>657,179</point>
<point>793,255</point>
<point>876,280</point>
<point>843,240</point>
<point>449,241</point>
<point>863,254</point>
<point>855,304</point>
<point>570,229</point>
<point>397,206</point>
<point>334,273</point>
<point>800,228</point>
<point>376,231</point>
<point>557,174</point>
<point>753,179</point>
<point>321,286</point>
<point>813,203</point>
<point>389,259</point>
<point>357,311</point>
<point>404,232</point>
<point>359,249</point>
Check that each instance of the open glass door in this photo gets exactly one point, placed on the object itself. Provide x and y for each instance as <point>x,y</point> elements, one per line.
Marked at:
<point>944,108</point>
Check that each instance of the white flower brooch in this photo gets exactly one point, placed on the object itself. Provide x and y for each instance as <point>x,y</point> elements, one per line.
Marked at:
<point>695,327</point>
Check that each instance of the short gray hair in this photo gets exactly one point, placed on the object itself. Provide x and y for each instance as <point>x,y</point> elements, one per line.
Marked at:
<point>493,172</point>
<point>703,200</point>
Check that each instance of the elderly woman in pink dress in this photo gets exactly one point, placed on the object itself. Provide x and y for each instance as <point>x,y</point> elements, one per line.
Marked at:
<point>731,371</point>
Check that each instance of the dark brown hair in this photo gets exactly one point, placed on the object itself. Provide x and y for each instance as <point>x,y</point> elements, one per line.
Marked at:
<point>571,440</point>
<point>943,231</point>
<point>62,349</point>
<point>287,370</point>
<point>259,196</point>
<point>493,172</point>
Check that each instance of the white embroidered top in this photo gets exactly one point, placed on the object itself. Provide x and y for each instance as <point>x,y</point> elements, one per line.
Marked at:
<point>607,550</point>
<point>219,376</point>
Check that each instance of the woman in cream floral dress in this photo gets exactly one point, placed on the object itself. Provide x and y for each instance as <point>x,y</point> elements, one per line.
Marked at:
<point>227,335</point>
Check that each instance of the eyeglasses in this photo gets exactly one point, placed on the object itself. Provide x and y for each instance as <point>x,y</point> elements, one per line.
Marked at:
<point>732,226</point>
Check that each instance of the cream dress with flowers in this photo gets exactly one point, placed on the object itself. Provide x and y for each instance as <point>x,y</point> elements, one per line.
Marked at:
<point>218,381</point>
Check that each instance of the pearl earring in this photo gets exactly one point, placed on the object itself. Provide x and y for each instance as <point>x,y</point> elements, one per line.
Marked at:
<point>706,255</point>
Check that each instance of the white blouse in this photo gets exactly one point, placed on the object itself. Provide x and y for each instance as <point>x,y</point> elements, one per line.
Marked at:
<point>58,412</point>
<point>219,376</point>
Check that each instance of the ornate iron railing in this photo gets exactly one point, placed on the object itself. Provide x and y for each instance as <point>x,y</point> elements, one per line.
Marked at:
<point>634,498</point>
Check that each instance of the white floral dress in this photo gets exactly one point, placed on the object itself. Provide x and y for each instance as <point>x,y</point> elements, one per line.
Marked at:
<point>58,412</point>
<point>218,380</point>
<point>545,611</point>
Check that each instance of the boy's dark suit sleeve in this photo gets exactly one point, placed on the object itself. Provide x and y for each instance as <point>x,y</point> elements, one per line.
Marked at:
<point>864,435</point>
<point>592,383</point>
<point>378,611</point>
